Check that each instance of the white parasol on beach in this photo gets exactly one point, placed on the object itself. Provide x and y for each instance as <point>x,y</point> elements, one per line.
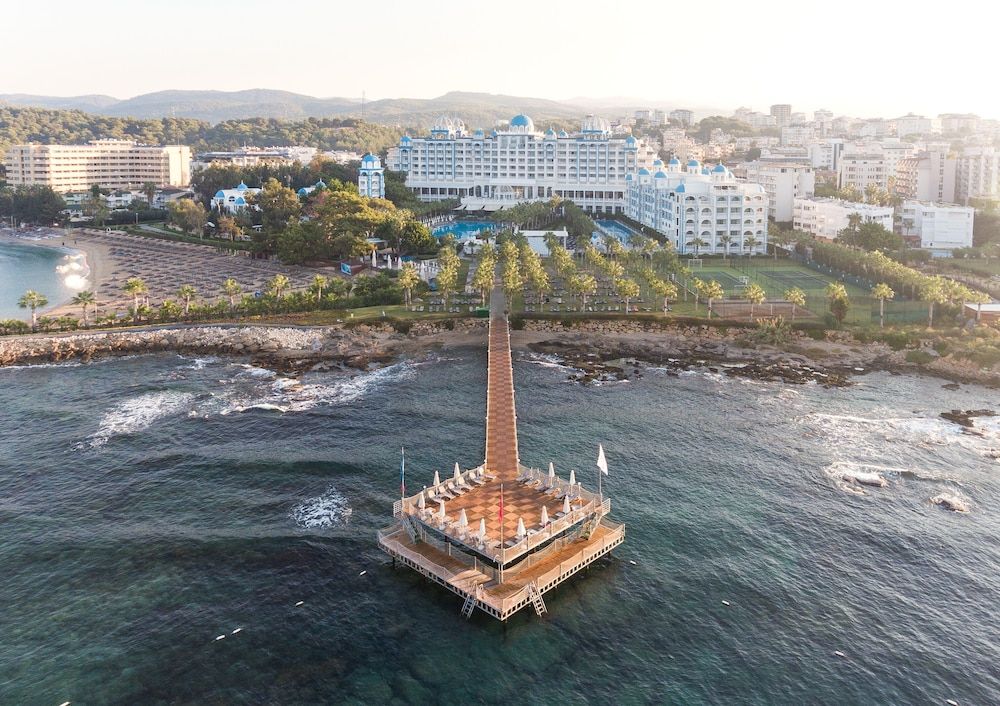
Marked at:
<point>552,475</point>
<point>441,515</point>
<point>463,520</point>
<point>437,478</point>
<point>458,474</point>
<point>566,504</point>
<point>421,502</point>
<point>545,516</point>
<point>572,477</point>
<point>520,528</point>
<point>482,530</point>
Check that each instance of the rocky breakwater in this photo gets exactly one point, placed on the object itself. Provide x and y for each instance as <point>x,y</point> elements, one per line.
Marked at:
<point>284,348</point>
<point>603,350</point>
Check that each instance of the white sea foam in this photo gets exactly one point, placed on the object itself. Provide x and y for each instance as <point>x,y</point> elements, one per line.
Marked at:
<point>138,413</point>
<point>951,500</point>
<point>547,360</point>
<point>328,510</point>
<point>849,475</point>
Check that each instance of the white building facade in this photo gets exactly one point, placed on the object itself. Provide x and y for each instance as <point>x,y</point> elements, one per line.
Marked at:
<point>111,164</point>
<point>938,227</point>
<point>783,182</point>
<point>863,169</point>
<point>519,163</point>
<point>928,176</point>
<point>233,200</point>
<point>977,174</point>
<point>371,177</point>
<point>694,202</point>
<point>825,218</point>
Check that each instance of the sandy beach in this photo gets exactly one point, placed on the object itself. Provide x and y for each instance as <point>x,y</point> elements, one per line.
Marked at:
<point>110,258</point>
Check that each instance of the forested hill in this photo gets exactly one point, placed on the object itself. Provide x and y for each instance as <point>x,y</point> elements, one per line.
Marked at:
<point>18,125</point>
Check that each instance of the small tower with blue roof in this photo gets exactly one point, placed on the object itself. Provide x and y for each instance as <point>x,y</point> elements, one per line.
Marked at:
<point>371,177</point>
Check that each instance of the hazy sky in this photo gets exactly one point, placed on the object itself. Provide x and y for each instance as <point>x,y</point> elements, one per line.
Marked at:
<point>862,58</point>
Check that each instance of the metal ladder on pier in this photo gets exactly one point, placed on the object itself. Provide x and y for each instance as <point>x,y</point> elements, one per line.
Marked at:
<point>536,598</point>
<point>469,607</point>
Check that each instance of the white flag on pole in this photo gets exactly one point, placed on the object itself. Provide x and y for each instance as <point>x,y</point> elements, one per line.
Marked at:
<point>602,462</point>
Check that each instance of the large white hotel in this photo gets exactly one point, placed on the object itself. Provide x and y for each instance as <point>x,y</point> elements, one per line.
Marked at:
<point>695,203</point>
<point>519,163</point>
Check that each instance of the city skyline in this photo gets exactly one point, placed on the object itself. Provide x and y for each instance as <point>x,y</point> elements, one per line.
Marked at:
<point>756,57</point>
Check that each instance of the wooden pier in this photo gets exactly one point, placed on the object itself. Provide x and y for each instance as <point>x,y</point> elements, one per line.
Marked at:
<point>454,533</point>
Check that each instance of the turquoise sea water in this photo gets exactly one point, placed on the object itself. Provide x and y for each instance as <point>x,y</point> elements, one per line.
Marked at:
<point>24,267</point>
<point>152,504</point>
<point>461,229</point>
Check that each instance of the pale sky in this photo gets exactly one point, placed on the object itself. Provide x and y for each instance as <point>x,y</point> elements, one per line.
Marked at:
<point>870,58</point>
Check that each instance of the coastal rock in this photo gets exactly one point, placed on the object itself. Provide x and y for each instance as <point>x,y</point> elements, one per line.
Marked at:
<point>964,417</point>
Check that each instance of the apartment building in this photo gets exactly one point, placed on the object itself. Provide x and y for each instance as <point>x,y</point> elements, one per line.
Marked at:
<point>977,174</point>
<point>928,176</point>
<point>783,182</point>
<point>825,218</point>
<point>938,227</point>
<point>860,170</point>
<point>111,164</point>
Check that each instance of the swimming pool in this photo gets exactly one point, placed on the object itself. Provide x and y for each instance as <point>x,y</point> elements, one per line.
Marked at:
<point>462,229</point>
<point>615,228</point>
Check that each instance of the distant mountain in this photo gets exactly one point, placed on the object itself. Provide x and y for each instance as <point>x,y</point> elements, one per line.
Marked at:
<point>90,104</point>
<point>476,109</point>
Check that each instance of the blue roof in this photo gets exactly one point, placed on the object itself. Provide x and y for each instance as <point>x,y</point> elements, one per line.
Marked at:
<point>405,138</point>
<point>628,177</point>
<point>220,194</point>
<point>563,133</point>
<point>550,133</point>
<point>659,175</point>
<point>320,184</point>
<point>694,163</point>
<point>302,191</point>
<point>629,140</point>
<point>240,201</point>
<point>478,133</point>
<point>368,159</point>
<point>643,172</point>
<point>520,120</point>
<point>658,163</point>
<point>680,189</point>
<point>720,168</point>
<point>674,162</point>
<point>704,170</point>
<point>242,187</point>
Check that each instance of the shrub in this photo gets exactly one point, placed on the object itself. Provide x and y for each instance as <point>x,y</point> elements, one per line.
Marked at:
<point>919,357</point>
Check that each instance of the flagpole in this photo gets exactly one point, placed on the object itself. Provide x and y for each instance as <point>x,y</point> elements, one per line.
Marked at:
<point>502,548</point>
<point>402,473</point>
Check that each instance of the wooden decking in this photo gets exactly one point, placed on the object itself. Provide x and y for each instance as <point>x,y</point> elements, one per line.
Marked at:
<point>501,417</point>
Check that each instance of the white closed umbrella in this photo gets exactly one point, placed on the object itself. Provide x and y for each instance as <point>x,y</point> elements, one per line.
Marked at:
<point>566,504</point>
<point>545,516</point>
<point>463,520</point>
<point>552,474</point>
<point>437,478</point>
<point>458,474</point>
<point>373,258</point>
<point>421,502</point>
<point>572,477</point>
<point>520,528</point>
<point>482,530</point>
<point>441,515</point>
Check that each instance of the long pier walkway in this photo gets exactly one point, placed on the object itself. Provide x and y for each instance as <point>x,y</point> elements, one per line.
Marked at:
<point>501,417</point>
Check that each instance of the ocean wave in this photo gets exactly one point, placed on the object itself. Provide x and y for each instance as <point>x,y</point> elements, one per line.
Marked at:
<point>951,500</point>
<point>65,364</point>
<point>327,510</point>
<point>849,475</point>
<point>547,360</point>
<point>138,413</point>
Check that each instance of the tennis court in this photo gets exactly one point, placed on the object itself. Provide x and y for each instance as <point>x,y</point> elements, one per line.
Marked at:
<point>791,278</point>
<point>729,282</point>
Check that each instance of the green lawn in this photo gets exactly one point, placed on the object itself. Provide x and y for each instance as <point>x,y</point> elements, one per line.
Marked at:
<point>981,267</point>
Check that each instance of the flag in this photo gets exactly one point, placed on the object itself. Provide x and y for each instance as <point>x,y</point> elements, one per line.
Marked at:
<point>402,473</point>
<point>602,462</point>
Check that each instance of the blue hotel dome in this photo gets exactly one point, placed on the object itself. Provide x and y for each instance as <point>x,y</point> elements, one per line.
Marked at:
<point>405,139</point>
<point>694,163</point>
<point>680,189</point>
<point>520,120</point>
<point>674,162</point>
<point>659,175</point>
<point>368,159</point>
<point>643,172</point>
<point>242,187</point>
<point>720,168</point>
<point>629,140</point>
<point>220,194</point>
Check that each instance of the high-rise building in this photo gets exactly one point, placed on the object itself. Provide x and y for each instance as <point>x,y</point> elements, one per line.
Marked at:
<point>825,154</point>
<point>782,114</point>
<point>682,116</point>
<point>783,182</point>
<point>519,163</point>
<point>371,177</point>
<point>694,202</point>
<point>977,174</point>
<point>861,169</point>
<point>928,176</point>
<point>110,164</point>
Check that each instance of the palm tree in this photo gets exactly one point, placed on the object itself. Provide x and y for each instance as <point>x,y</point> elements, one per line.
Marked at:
<point>796,297</point>
<point>836,293</point>
<point>277,285</point>
<point>149,189</point>
<point>882,292</point>
<point>232,289</point>
<point>665,289</point>
<point>583,285</point>
<point>712,290</point>
<point>627,289</point>
<point>187,293</point>
<point>135,287</point>
<point>750,242</point>
<point>726,241</point>
<point>698,286</point>
<point>84,300</point>
<point>319,283</point>
<point>933,292</point>
<point>33,300</point>
<point>698,244</point>
<point>754,294</point>
<point>408,280</point>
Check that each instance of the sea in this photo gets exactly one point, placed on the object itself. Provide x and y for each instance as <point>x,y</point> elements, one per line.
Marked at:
<point>181,530</point>
<point>58,273</point>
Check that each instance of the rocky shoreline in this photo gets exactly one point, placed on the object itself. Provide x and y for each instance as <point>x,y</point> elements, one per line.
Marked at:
<point>598,350</point>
